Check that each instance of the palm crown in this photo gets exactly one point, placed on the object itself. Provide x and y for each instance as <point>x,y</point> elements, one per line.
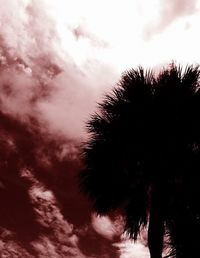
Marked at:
<point>143,154</point>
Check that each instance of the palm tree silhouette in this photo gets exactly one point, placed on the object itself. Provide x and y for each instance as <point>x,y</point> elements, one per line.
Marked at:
<point>143,155</point>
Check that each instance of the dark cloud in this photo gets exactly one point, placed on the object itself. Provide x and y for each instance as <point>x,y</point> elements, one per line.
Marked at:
<point>43,211</point>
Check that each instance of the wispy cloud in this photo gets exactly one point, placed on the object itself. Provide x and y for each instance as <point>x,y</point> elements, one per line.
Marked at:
<point>169,12</point>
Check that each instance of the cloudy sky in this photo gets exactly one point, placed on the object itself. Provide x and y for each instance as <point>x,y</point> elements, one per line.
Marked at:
<point>57,60</point>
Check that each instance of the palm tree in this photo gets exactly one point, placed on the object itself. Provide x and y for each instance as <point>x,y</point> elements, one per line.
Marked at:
<point>143,154</point>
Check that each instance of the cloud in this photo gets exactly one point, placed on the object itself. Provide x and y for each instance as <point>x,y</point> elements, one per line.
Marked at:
<point>43,78</point>
<point>61,238</point>
<point>43,212</point>
<point>169,12</point>
<point>57,61</point>
<point>129,249</point>
<point>103,226</point>
<point>58,240</point>
<point>72,100</point>
<point>95,245</point>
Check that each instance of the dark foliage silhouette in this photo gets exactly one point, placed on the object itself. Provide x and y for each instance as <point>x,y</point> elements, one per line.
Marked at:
<point>143,157</point>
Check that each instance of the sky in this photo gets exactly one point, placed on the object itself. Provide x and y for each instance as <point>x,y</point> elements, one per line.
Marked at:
<point>57,60</point>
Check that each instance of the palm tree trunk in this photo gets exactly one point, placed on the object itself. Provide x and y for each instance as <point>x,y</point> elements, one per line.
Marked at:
<point>156,223</point>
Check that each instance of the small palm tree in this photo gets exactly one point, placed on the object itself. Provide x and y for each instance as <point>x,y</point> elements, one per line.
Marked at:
<point>143,154</point>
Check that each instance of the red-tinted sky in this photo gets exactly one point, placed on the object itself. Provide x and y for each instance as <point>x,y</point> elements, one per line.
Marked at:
<point>57,59</point>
